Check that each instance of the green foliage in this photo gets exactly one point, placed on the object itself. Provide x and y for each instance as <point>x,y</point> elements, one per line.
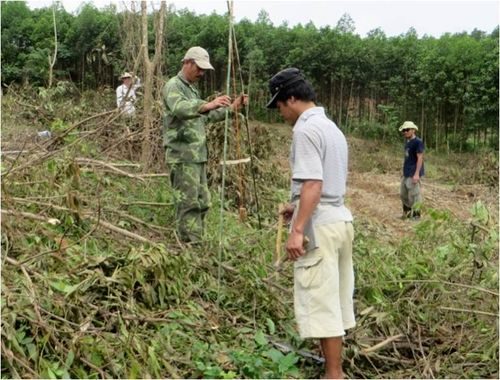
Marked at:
<point>161,310</point>
<point>437,269</point>
<point>376,131</point>
<point>447,85</point>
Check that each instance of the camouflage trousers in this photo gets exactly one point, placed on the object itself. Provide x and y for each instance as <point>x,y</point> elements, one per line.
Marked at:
<point>192,199</point>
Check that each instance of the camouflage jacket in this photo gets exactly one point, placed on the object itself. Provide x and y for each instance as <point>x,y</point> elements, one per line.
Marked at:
<point>184,135</point>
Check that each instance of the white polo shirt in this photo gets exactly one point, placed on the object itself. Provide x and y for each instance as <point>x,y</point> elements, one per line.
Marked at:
<point>124,101</point>
<point>319,152</point>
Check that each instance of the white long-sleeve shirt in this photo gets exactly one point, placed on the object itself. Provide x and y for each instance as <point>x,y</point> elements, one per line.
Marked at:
<point>124,101</point>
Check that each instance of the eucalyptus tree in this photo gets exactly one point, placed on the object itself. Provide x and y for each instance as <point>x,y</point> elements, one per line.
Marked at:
<point>17,33</point>
<point>150,69</point>
<point>94,38</point>
<point>447,85</point>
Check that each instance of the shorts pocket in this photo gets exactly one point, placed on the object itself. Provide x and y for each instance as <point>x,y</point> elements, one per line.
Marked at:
<point>308,272</point>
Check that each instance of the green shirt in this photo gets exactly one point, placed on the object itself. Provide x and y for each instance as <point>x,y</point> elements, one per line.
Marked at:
<point>184,135</point>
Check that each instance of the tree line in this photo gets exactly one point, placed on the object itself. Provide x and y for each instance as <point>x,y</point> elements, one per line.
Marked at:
<point>449,85</point>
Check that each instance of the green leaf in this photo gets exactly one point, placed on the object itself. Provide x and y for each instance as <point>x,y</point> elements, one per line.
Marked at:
<point>69,359</point>
<point>64,287</point>
<point>135,370</point>
<point>287,362</point>
<point>200,365</point>
<point>245,330</point>
<point>153,361</point>
<point>32,351</point>
<point>480,212</point>
<point>51,374</point>
<point>96,358</point>
<point>274,355</point>
<point>260,339</point>
<point>229,375</point>
<point>270,326</point>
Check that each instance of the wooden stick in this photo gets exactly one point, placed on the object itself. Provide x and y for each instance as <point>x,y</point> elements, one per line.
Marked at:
<point>138,220</point>
<point>30,215</point>
<point>382,344</point>
<point>440,282</point>
<point>107,165</point>
<point>150,175</point>
<point>278,265</point>
<point>14,152</point>
<point>121,231</point>
<point>235,162</point>
<point>279,235</point>
<point>469,311</point>
<point>143,203</point>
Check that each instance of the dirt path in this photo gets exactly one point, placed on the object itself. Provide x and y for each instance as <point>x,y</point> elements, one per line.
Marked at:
<point>375,197</point>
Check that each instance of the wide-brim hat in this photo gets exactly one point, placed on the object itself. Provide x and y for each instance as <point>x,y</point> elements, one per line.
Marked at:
<point>200,57</point>
<point>408,125</point>
<point>282,80</point>
<point>126,75</point>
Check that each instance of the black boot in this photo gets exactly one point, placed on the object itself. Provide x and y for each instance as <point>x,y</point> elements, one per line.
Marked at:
<point>406,212</point>
<point>415,214</point>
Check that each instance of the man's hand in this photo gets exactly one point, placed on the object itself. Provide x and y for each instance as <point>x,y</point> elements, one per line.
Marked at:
<point>241,99</point>
<point>220,101</point>
<point>415,178</point>
<point>295,245</point>
<point>287,212</point>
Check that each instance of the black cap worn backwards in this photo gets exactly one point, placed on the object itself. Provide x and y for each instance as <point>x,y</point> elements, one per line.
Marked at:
<point>284,79</point>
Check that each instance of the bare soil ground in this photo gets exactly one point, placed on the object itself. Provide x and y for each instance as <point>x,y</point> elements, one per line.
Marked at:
<point>373,186</point>
<point>375,197</point>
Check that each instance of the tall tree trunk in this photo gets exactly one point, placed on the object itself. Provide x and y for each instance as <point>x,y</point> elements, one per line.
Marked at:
<point>332,95</point>
<point>455,123</point>
<point>370,112</point>
<point>463,121</point>
<point>149,70</point>
<point>52,60</point>
<point>340,100</point>
<point>83,72</point>
<point>347,119</point>
<point>422,116</point>
<point>436,129</point>
<point>358,103</point>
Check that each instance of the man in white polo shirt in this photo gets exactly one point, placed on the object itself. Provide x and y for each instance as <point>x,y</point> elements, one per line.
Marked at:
<point>321,232</point>
<point>125,94</point>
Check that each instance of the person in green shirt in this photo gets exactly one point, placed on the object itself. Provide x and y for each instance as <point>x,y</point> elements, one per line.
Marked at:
<point>185,140</point>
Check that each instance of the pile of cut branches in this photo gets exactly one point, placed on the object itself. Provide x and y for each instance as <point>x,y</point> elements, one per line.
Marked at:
<point>96,285</point>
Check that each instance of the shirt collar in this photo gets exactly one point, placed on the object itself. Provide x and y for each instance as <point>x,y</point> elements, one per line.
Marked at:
<point>183,78</point>
<point>308,113</point>
<point>185,81</point>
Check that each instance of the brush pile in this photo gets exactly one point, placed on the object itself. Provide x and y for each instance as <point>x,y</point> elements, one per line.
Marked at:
<point>96,285</point>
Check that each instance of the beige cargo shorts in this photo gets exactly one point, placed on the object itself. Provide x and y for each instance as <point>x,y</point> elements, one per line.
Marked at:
<point>324,283</point>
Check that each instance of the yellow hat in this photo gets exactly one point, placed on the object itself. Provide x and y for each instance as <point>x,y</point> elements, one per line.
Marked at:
<point>408,125</point>
<point>126,75</point>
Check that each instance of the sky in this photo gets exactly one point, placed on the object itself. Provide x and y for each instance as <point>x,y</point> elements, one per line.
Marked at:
<point>432,18</point>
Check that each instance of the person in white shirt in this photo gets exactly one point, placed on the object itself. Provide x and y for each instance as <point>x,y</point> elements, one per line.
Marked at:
<point>125,94</point>
<point>321,231</point>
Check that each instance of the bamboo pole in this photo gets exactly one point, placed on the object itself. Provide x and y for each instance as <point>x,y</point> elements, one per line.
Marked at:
<point>279,235</point>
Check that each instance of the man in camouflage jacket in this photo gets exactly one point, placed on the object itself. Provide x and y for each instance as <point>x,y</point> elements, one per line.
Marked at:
<point>185,140</point>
